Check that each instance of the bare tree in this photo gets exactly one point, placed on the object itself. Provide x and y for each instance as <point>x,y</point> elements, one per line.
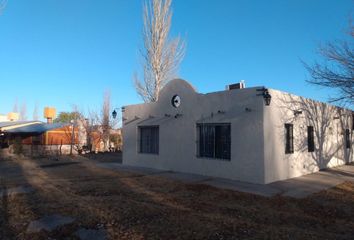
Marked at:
<point>90,125</point>
<point>105,118</point>
<point>35,112</point>
<point>2,5</point>
<point>93,127</point>
<point>337,69</point>
<point>161,56</point>
<point>15,106</point>
<point>75,131</point>
<point>23,112</point>
<point>86,124</point>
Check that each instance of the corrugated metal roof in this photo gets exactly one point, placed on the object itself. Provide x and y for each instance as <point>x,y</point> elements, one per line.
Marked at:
<point>28,127</point>
<point>14,123</point>
<point>35,128</point>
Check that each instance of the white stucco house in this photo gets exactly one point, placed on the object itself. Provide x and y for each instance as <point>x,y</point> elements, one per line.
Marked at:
<point>252,134</point>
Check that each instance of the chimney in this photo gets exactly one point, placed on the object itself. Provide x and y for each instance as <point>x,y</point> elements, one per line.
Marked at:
<point>239,85</point>
<point>49,114</point>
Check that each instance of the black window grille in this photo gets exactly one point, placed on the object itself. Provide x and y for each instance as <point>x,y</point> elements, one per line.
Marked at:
<point>289,138</point>
<point>310,139</point>
<point>149,139</point>
<point>347,138</point>
<point>214,140</point>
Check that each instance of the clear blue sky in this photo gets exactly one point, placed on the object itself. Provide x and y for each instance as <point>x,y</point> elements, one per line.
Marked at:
<point>60,53</point>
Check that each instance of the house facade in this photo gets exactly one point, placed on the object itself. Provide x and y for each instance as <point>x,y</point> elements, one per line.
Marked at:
<point>253,134</point>
<point>38,138</point>
<point>62,140</point>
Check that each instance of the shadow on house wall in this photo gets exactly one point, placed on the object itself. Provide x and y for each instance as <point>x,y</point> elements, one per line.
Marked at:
<point>330,125</point>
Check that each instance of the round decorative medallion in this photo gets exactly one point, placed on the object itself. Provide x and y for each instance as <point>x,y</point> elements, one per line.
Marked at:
<point>176,101</point>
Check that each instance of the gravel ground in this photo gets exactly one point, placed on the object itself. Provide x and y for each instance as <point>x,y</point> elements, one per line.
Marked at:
<point>131,206</point>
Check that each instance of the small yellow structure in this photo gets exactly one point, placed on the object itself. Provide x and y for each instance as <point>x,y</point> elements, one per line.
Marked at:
<point>12,116</point>
<point>49,114</point>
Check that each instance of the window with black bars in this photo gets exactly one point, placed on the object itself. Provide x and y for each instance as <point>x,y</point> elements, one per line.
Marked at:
<point>347,138</point>
<point>149,139</point>
<point>289,138</point>
<point>310,139</point>
<point>214,140</point>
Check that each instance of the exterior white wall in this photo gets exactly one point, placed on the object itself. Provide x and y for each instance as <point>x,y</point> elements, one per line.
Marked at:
<point>329,124</point>
<point>257,135</point>
<point>177,139</point>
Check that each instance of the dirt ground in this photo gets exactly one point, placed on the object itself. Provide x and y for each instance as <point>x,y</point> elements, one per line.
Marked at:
<point>105,157</point>
<point>131,206</point>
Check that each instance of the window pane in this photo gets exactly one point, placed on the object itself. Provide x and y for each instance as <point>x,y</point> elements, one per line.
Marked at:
<point>310,139</point>
<point>149,139</point>
<point>222,141</point>
<point>214,140</point>
<point>347,138</point>
<point>289,139</point>
<point>206,140</point>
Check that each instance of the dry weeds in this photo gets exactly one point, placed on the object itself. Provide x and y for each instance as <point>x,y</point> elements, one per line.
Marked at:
<point>131,206</point>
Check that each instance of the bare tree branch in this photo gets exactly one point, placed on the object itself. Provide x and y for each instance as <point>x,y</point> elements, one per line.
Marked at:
<point>98,124</point>
<point>105,119</point>
<point>161,56</point>
<point>23,112</point>
<point>35,112</point>
<point>15,106</point>
<point>336,71</point>
<point>2,5</point>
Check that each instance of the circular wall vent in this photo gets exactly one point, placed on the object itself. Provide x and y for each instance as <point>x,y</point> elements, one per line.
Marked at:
<point>176,101</point>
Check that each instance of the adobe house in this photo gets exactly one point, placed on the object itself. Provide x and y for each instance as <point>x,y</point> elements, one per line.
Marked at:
<point>252,134</point>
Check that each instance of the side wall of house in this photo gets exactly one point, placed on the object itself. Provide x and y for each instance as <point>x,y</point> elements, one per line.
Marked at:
<point>178,132</point>
<point>329,124</point>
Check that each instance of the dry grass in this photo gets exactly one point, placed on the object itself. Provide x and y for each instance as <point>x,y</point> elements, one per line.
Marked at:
<point>129,206</point>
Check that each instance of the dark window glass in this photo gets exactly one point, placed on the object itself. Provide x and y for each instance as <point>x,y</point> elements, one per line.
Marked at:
<point>149,139</point>
<point>347,138</point>
<point>214,140</point>
<point>310,139</point>
<point>206,140</point>
<point>289,138</point>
